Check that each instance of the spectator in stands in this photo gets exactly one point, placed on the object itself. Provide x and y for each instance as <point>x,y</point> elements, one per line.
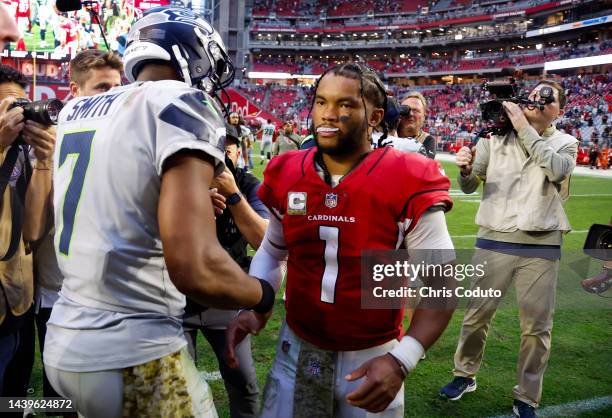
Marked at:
<point>606,136</point>
<point>243,222</point>
<point>593,154</point>
<point>287,140</point>
<point>8,28</point>
<point>24,199</point>
<point>412,126</point>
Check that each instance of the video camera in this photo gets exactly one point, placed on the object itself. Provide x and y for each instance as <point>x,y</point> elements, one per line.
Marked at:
<point>404,111</point>
<point>493,112</point>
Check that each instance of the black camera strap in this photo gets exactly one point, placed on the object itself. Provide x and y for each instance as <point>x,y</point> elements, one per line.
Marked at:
<point>17,199</point>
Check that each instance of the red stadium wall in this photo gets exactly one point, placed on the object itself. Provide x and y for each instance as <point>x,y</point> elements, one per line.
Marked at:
<point>48,91</point>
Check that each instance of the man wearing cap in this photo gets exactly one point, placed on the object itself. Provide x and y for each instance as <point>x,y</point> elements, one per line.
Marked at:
<point>287,140</point>
<point>243,221</point>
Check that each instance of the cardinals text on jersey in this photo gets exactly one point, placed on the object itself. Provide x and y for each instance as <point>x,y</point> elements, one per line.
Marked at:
<point>326,228</point>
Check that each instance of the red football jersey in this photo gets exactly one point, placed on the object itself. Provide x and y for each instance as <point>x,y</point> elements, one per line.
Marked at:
<point>71,30</point>
<point>326,228</point>
<point>23,9</point>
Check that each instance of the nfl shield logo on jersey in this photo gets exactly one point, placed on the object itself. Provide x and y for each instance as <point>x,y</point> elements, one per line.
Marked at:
<point>331,200</point>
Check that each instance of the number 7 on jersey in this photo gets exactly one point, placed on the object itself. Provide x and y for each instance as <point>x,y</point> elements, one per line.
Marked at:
<point>76,145</point>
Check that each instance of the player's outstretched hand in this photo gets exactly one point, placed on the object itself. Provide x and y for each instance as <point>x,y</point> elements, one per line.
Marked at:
<point>247,322</point>
<point>383,380</point>
<point>464,159</point>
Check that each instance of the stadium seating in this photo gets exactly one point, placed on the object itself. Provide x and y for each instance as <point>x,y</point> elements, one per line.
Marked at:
<point>397,64</point>
<point>453,110</point>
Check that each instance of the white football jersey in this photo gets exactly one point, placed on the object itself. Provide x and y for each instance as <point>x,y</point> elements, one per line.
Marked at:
<point>108,164</point>
<point>267,133</point>
<point>407,144</point>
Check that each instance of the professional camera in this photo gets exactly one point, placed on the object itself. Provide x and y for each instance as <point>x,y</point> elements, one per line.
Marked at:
<point>493,112</point>
<point>44,112</point>
<point>598,244</point>
<point>404,111</point>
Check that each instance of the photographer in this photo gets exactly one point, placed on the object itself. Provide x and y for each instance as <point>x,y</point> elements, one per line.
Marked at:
<point>412,124</point>
<point>243,221</point>
<point>24,201</point>
<point>393,114</point>
<point>526,175</point>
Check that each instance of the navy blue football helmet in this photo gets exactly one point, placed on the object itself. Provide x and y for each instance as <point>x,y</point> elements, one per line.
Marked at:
<point>188,42</point>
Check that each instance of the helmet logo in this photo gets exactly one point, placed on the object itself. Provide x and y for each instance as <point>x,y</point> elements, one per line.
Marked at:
<point>187,16</point>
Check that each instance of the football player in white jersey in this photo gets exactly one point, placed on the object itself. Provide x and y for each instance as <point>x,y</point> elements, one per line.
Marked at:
<point>267,135</point>
<point>135,226</point>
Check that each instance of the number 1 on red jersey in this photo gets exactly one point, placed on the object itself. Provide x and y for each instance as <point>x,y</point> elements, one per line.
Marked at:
<point>329,234</point>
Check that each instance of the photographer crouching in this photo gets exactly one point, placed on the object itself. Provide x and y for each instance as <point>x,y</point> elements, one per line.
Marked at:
<point>526,172</point>
<point>25,184</point>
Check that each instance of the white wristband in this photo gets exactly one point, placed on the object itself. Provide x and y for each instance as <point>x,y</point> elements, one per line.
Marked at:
<point>409,351</point>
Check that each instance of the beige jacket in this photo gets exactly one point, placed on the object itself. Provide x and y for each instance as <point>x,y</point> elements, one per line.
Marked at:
<point>526,180</point>
<point>15,274</point>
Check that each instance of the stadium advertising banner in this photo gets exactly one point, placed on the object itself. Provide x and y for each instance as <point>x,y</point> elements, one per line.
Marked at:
<point>570,26</point>
<point>246,108</point>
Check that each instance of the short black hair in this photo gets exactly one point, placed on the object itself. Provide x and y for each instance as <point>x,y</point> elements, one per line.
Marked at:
<point>9,74</point>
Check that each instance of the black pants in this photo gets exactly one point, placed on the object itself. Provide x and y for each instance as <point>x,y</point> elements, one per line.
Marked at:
<point>240,383</point>
<point>19,370</point>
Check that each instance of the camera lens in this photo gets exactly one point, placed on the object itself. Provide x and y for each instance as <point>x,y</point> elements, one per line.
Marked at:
<point>605,241</point>
<point>45,112</point>
<point>54,107</point>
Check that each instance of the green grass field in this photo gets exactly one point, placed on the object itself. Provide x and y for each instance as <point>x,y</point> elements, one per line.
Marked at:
<point>580,366</point>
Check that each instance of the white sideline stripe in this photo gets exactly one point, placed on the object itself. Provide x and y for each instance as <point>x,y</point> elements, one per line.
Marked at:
<point>571,409</point>
<point>581,231</point>
<point>591,195</point>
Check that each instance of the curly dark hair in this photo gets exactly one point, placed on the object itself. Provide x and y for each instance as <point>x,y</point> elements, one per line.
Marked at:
<point>10,75</point>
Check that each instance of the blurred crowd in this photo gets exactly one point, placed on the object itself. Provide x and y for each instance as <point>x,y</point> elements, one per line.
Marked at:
<point>44,28</point>
<point>454,114</point>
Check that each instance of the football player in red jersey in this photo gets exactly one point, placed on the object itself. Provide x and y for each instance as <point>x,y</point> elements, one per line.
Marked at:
<point>329,204</point>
